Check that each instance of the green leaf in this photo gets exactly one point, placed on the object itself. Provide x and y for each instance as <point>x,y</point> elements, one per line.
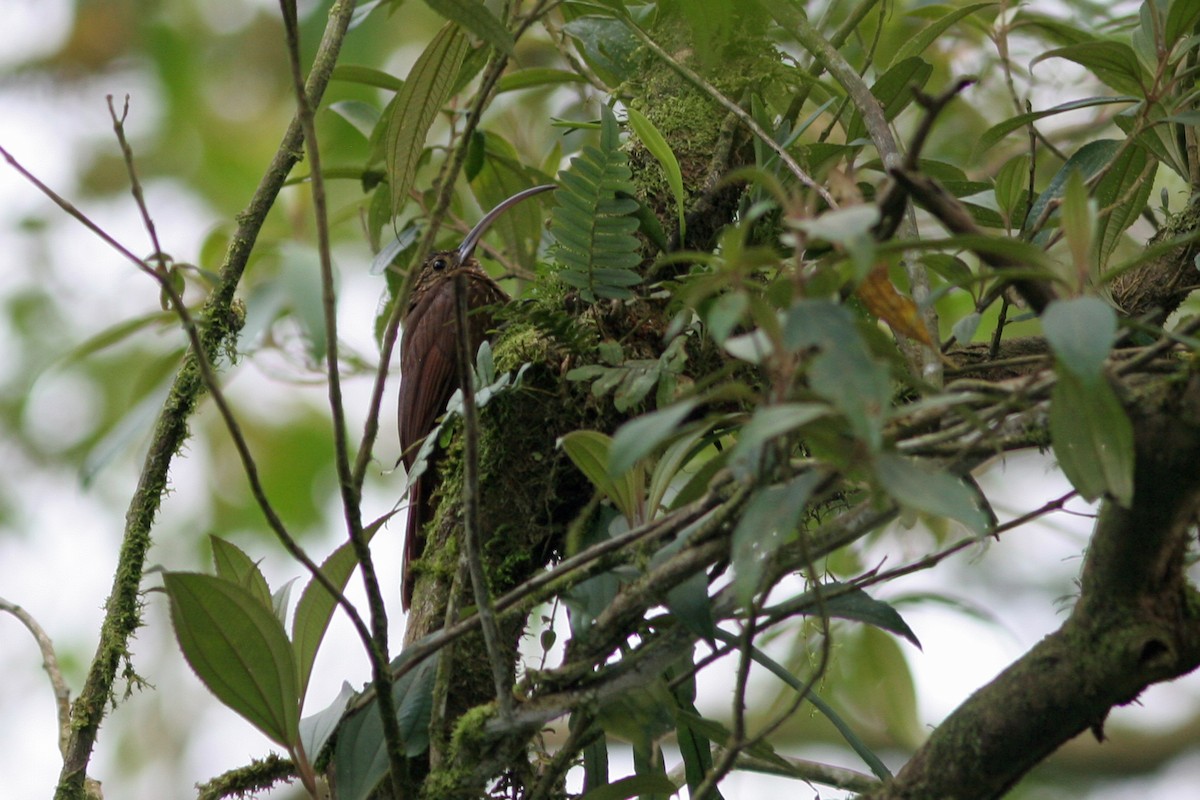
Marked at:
<point>894,90</point>
<point>367,76</point>
<point>1078,215</point>
<point>362,116</point>
<point>1012,188</point>
<point>316,606</point>
<point>917,485</point>
<point>1081,332</point>
<point>770,521</point>
<point>417,104</point>
<point>315,730</point>
<point>767,423</point>
<point>843,371</point>
<point>589,451</point>
<point>995,134</point>
<point>1181,19</point>
<point>1115,63</point>
<point>1087,160</point>
<point>360,754</point>
<point>592,226</point>
<point>1122,194</point>
<point>658,147</point>
<point>633,786</point>
<point>854,604</point>
<point>232,564</point>
<point>477,18</point>
<point>1092,438</point>
<point>239,650</point>
<point>533,77</point>
<point>639,437</point>
<point>929,34</point>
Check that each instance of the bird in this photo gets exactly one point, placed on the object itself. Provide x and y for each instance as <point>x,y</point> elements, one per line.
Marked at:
<point>428,374</point>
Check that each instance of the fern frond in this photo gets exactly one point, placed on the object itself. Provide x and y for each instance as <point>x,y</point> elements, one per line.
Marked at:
<point>592,226</point>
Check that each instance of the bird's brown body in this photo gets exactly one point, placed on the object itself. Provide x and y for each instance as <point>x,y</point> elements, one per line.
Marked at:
<point>428,370</point>
<point>428,374</point>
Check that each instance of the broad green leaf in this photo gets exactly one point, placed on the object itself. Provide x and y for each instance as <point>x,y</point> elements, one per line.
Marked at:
<point>688,602</point>
<point>997,132</point>
<point>767,423</point>
<point>876,683</point>
<point>232,564</point>
<point>1115,63</point>
<point>1081,332</point>
<point>917,485</point>
<point>658,147</point>
<point>477,18</point>
<point>770,521</point>
<point>417,104</point>
<point>873,761</point>
<point>854,604</point>
<point>843,371</point>
<point>639,437</point>
<point>238,649</point>
<point>1087,160</point>
<point>640,714</point>
<point>1092,438</point>
<point>316,606</point>
<point>360,754</point>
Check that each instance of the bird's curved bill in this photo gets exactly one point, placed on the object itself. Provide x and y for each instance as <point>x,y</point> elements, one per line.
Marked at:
<point>467,248</point>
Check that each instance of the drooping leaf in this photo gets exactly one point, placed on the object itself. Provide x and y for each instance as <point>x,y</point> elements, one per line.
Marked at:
<point>997,132</point>
<point>1113,62</point>
<point>238,649</point>
<point>854,604</point>
<point>770,521</point>
<point>417,104</point>
<point>590,452</point>
<point>658,147</point>
<point>765,424</point>
<point>1121,195</point>
<point>917,485</point>
<point>1092,438</point>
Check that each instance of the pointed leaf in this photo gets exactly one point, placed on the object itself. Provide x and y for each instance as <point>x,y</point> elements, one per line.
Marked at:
<point>1092,438</point>
<point>770,521</point>
<point>239,651</point>
<point>417,104</point>
<point>232,564</point>
<point>639,437</point>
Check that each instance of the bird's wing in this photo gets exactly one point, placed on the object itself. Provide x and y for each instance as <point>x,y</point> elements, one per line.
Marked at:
<point>427,367</point>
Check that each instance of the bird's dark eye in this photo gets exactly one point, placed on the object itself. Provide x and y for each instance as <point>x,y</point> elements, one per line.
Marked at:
<point>440,263</point>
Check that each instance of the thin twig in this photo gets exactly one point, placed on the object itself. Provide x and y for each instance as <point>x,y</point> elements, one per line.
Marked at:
<point>62,693</point>
<point>472,536</point>
<point>377,648</point>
